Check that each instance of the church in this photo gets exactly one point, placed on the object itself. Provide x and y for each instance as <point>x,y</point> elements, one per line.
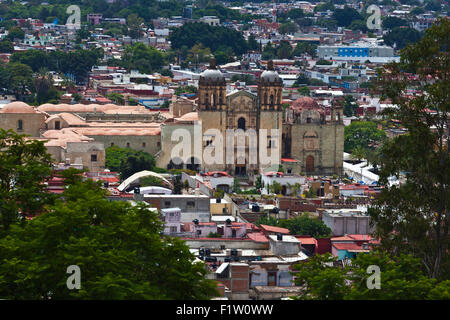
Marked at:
<point>302,133</point>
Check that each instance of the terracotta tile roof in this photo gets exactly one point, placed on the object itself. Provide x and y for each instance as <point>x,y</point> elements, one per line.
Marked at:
<point>274,229</point>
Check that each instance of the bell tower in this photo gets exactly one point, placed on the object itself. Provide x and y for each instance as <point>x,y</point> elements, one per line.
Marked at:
<point>211,89</point>
<point>270,89</point>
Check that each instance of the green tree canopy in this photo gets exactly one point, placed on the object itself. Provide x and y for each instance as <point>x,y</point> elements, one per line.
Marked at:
<point>364,134</point>
<point>413,217</point>
<point>401,278</point>
<point>118,248</point>
<point>209,36</point>
<point>141,57</point>
<point>24,166</point>
<point>127,161</point>
<point>305,225</point>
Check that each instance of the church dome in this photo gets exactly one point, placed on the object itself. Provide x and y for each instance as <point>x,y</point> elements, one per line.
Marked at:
<point>270,75</point>
<point>212,74</point>
<point>17,107</point>
<point>305,103</point>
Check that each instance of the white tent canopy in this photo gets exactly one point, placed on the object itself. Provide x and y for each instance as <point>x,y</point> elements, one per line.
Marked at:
<point>138,175</point>
<point>154,190</point>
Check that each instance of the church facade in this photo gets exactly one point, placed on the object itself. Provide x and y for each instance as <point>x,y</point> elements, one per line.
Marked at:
<point>246,133</point>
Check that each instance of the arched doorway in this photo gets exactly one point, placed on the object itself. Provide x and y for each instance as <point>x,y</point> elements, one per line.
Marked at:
<point>193,164</point>
<point>175,163</point>
<point>309,164</point>
<point>241,123</point>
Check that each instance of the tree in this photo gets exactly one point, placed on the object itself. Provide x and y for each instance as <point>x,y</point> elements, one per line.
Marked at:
<point>6,46</point>
<point>146,59</point>
<point>393,22</point>
<point>117,98</point>
<point>25,165</point>
<point>20,79</point>
<point>320,279</point>
<point>350,106</point>
<point>363,134</point>
<point>43,86</point>
<point>268,221</point>
<point>304,47</point>
<point>284,50</point>
<point>15,33</point>
<point>135,26</point>
<point>177,185</point>
<point>198,54</point>
<point>288,27</point>
<point>128,161</point>
<point>236,186</point>
<point>346,16</point>
<point>401,37</point>
<point>304,225</point>
<point>117,246</point>
<point>211,37</point>
<point>304,91</point>
<point>413,217</point>
<point>252,44</point>
<point>402,278</point>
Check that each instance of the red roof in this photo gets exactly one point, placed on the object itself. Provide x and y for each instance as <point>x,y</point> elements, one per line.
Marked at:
<point>360,237</point>
<point>307,240</point>
<point>288,160</point>
<point>347,246</point>
<point>274,229</point>
<point>257,237</point>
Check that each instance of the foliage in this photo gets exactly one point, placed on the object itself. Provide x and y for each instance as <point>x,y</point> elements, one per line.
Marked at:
<point>127,161</point>
<point>15,33</point>
<point>152,181</point>
<point>210,37</point>
<point>24,166</point>
<point>393,22</point>
<point>304,91</point>
<point>116,97</point>
<point>401,37</point>
<point>305,225</point>
<point>401,278</point>
<point>141,57</point>
<point>324,62</point>
<point>117,247</point>
<point>77,62</point>
<point>350,106</point>
<point>268,221</point>
<point>177,185</point>
<point>346,16</point>
<point>413,217</point>
<point>304,47</point>
<point>320,279</point>
<point>185,89</point>
<point>6,46</point>
<point>364,134</point>
<point>214,235</point>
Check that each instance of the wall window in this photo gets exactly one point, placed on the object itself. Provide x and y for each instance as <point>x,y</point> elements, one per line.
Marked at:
<point>143,144</point>
<point>19,125</point>
<point>57,125</point>
<point>167,203</point>
<point>112,144</point>
<point>93,158</point>
<point>128,144</point>
<point>190,204</point>
<point>173,229</point>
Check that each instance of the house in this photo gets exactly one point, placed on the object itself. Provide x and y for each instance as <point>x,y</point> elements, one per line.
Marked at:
<point>349,246</point>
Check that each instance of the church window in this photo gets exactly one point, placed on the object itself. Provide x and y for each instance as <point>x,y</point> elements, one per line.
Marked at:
<point>241,123</point>
<point>19,125</point>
